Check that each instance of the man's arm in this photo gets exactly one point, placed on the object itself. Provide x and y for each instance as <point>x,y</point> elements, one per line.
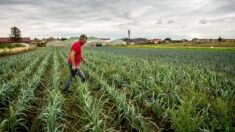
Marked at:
<point>72,54</point>
<point>83,59</point>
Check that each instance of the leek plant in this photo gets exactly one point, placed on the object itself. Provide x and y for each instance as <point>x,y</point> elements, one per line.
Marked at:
<point>9,87</point>
<point>52,114</point>
<point>16,116</point>
<point>92,108</point>
<point>125,109</point>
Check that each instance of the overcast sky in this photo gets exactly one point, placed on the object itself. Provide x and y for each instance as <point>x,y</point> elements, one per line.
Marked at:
<point>176,19</point>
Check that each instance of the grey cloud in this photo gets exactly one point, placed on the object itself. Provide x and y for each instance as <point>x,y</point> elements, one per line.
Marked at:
<point>225,6</point>
<point>159,22</point>
<point>112,18</point>
<point>170,22</point>
<point>203,21</point>
<point>217,20</point>
<point>15,2</point>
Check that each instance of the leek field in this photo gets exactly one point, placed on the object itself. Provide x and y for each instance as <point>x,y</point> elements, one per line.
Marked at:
<point>127,89</point>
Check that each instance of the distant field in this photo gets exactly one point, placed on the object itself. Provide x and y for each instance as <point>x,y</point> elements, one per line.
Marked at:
<point>215,44</point>
<point>188,45</point>
<point>127,89</point>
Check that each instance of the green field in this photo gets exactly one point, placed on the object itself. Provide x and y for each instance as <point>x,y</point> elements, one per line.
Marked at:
<point>187,45</point>
<point>194,44</point>
<point>127,89</point>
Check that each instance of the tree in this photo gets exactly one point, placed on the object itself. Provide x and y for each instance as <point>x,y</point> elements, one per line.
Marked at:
<point>15,34</point>
<point>63,39</point>
<point>220,39</point>
<point>168,39</point>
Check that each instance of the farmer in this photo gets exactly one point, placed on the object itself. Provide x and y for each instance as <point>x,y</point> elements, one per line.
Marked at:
<point>74,60</point>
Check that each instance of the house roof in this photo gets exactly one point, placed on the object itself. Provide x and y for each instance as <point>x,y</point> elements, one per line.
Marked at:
<point>5,40</point>
<point>8,40</point>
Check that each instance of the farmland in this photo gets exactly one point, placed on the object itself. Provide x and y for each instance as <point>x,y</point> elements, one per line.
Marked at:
<point>127,89</point>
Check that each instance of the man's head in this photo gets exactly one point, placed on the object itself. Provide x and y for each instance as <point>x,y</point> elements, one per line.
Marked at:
<point>83,39</point>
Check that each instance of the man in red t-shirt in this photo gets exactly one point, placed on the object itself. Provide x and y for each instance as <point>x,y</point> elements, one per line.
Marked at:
<point>74,60</point>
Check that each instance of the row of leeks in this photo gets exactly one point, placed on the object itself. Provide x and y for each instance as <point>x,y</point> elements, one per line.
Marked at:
<point>164,88</point>
<point>16,116</point>
<point>126,109</point>
<point>52,114</point>
<point>9,87</point>
<point>91,107</point>
<point>11,67</point>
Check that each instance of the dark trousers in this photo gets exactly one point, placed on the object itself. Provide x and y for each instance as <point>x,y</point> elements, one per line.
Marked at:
<point>73,74</point>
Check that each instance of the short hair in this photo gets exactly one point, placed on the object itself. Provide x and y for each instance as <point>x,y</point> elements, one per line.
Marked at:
<point>83,36</point>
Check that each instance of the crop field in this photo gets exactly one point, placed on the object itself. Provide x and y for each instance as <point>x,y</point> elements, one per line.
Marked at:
<point>127,89</point>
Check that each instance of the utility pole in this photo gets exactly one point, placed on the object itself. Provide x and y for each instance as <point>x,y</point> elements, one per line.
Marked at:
<point>129,37</point>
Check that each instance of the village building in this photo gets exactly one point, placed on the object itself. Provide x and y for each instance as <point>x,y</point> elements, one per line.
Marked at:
<point>155,41</point>
<point>140,41</point>
<point>38,42</point>
<point>9,40</point>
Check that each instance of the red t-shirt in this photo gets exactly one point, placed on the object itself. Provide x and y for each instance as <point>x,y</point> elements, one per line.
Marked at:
<point>76,47</point>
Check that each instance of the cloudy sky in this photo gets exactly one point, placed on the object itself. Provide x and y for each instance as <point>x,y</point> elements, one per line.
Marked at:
<point>112,18</point>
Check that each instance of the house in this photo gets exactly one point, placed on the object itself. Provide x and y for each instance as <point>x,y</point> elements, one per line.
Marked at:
<point>5,40</point>
<point>35,41</point>
<point>44,41</point>
<point>202,40</point>
<point>166,41</point>
<point>140,41</point>
<point>155,41</point>
<point>8,40</point>
<point>184,40</point>
<point>25,40</point>
<point>229,40</point>
<point>38,42</point>
<point>49,39</point>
